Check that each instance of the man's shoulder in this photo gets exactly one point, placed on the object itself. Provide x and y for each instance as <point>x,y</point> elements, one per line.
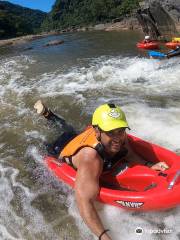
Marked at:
<point>89,156</point>
<point>89,152</point>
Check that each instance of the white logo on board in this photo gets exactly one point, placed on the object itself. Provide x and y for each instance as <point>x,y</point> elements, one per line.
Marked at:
<point>130,204</point>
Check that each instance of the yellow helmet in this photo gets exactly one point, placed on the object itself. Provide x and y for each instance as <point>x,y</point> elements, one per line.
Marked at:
<point>108,117</point>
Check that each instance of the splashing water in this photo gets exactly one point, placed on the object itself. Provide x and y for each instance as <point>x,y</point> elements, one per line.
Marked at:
<point>33,204</point>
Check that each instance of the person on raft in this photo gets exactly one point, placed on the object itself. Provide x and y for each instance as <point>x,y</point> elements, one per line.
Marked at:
<point>174,53</point>
<point>92,152</point>
<point>147,39</point>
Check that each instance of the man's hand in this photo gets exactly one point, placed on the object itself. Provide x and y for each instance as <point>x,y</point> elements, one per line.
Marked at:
<point>161,166</point>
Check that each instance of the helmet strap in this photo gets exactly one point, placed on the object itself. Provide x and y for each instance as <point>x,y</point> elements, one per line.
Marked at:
<point>100,132</point>
<point>100,135</point>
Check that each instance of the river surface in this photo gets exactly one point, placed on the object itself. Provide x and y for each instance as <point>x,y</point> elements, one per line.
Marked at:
<point>73,79</point>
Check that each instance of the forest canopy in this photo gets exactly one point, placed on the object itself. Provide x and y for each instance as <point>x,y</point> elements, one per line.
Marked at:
<point>69,13</point>
<point>17,21</point>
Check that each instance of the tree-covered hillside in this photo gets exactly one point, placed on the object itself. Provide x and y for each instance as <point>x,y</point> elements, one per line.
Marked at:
<point>68,13</point>
<point>16,20</point>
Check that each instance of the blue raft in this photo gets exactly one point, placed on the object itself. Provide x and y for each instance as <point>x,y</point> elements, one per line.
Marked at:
<point>160,55</point>
<point>156,54</point>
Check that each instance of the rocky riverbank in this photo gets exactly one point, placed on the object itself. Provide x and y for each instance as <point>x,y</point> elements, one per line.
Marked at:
<point>25,39</point>
<point>125,24</point>
<point>130,23</point>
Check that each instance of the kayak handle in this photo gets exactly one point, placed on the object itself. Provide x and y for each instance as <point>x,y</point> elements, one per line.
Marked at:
<point>171,185</point>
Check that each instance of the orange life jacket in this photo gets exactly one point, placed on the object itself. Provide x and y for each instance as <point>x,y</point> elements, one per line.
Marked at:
<point>88,139</point>
<point>84,139</point>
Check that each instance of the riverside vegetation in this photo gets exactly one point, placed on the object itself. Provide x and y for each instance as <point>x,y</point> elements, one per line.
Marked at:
<point>18,21</point>
<point>75,13</point>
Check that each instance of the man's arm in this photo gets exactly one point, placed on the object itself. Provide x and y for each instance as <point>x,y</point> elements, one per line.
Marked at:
<point>87,189</point>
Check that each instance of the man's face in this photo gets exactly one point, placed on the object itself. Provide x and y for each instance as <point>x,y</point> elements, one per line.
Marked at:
<point>113,140</point>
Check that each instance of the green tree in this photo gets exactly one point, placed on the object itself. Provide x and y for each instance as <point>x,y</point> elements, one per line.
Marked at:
<point>17,21</point>
<point>70,13</point>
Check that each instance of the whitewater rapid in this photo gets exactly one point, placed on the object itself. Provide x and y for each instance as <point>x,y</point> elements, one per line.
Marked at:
<point>33,204</point>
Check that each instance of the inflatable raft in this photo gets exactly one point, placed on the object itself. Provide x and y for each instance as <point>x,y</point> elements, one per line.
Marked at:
<point>172,45</point>
<point>156,54</point>
<point>137,188</point>
<point>161,55</point>
<point>176,39</point>
<point>150,46</point>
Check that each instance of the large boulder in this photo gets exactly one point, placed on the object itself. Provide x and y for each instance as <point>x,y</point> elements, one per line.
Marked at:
<point>173,8</point>
<point>160,18</point>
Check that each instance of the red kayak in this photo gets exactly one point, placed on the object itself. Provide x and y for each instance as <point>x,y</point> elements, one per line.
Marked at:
<point>150,46</point>
<point>134,188</point>
<point>172,45</point>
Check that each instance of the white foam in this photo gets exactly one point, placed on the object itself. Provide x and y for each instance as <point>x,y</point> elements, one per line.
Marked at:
<point>35,134</point>
<point>158,125</point>
<point>7,214</point>
<point>4,234</point>
<point>133,74</point>
<point>12,77</point>
<point>13,226</point>
<point>2,145</point>
<point>113,78</point>
<point>34,152</point>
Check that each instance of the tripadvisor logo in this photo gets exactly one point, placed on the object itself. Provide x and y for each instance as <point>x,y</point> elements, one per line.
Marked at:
<point>139,231</point>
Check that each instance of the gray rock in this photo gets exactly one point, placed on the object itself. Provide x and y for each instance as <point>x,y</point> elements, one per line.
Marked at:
<point>160,18</point>
<point>99,27</point>
<point>53,43</point>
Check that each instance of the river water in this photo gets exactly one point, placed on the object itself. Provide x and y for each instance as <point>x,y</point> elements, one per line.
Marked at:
<point>73,79</point>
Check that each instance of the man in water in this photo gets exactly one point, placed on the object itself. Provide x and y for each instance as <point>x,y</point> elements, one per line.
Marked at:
<point>174,53</point>
<point>94,151</point>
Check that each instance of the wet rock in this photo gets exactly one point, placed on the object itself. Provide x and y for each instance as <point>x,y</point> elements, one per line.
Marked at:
<point>28,48</point>
<point>54,43</point>
<point>159,18</point>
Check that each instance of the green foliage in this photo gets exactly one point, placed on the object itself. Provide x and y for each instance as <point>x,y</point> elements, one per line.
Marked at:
<point>127,6</point>
<point>70,13</point>
<point>17,21</point>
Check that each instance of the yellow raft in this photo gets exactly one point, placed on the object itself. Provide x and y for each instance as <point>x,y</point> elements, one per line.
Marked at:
<point>176,39</point>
